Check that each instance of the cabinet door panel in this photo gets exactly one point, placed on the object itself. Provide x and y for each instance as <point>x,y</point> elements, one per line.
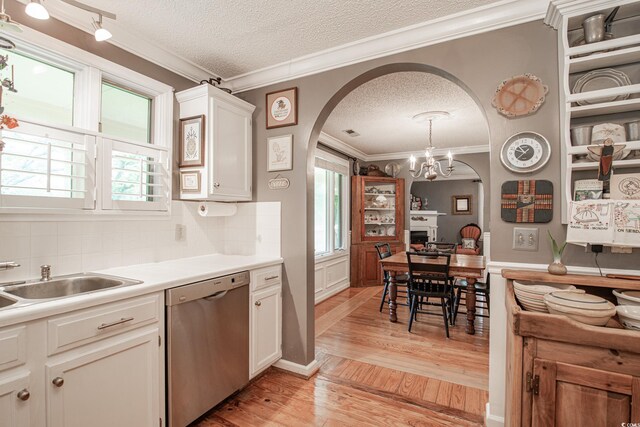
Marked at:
<point>578,405</point>
<point>13,411</point>
<point>115,384</point>
<point>266,328</point>
<point>231,153</point>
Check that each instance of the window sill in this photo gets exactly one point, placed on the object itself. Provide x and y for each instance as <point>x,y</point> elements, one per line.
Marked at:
<point>331,256</point>
<point>39,215</point>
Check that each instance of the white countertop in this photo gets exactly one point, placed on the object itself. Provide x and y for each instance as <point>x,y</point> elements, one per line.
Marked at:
<point>156,276</point>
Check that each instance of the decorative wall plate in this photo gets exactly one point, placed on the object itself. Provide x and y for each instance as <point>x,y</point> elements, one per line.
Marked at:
<point>529,201</point>
<point>519,95</point>
<point>525,152</point>
<point>605,78</point>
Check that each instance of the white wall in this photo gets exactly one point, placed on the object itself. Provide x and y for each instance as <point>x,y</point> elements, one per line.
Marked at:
<point>95,244</point>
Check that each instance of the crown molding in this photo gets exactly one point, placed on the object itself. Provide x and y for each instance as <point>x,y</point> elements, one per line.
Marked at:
<point>345,148</point>
<point>559,8</point>
<point>482,19</point>
<point>130,42</point>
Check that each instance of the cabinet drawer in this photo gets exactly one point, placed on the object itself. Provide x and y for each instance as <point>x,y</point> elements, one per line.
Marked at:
<point>265,277</point>
<point>13,347</point>
<point>85,326</point>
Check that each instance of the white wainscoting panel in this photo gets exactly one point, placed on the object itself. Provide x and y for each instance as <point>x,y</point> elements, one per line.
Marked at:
<point>332,276</point>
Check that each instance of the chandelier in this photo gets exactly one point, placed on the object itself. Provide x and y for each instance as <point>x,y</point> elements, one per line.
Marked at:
<point>430,168</point>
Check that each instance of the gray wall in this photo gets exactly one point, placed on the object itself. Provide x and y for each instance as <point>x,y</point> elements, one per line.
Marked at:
<point>477,63</point>
<point>439,195</point>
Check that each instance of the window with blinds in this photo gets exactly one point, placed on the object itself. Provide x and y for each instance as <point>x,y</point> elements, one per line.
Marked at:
<point>135,177</point>
<point>41,166</point>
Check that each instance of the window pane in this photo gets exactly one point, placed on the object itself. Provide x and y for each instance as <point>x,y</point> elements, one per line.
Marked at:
<point>132,177</point>
<point>338,226</point>
<point>44,92</point>
<point>125,114</point>
<point>321,218</point>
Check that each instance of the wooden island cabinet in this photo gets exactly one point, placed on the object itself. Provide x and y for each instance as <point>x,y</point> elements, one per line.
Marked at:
<point>377,215</point>
<point>564,373</point>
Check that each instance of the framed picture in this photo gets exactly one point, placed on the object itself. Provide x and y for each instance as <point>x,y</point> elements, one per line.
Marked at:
<point>192,141</point>
<point>461,205</point>
<point>282,108</point>
<point>190,182</point>
<point>280,153</point>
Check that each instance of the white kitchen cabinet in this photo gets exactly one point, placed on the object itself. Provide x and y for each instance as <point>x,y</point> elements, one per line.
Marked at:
<point>112,384</point>
<point>15,395</point>
<point>265,319</point>
<point>107,363</point>
<point>227,172</point>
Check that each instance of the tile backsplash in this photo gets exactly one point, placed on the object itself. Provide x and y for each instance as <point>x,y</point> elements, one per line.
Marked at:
<point>74,246</point>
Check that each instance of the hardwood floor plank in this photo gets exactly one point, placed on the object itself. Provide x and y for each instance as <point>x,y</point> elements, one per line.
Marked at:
<point>444,393</point>
<point>458,395</point>
<point>431,391</point>
<point>343,310</point>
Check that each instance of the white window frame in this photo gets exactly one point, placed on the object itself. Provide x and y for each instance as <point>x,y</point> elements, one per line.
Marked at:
<point>90,70</point>
<point>343,164</point>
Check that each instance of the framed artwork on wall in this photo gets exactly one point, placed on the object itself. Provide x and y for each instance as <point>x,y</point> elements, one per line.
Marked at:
<point>282,108</point>
<point>461,205</point>
<point>527,201</point>
<point>190,182</point>
<point>192,141</point>
<point>280,153</point>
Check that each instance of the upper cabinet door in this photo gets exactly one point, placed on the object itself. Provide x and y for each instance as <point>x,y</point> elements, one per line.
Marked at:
<point>230,152</point>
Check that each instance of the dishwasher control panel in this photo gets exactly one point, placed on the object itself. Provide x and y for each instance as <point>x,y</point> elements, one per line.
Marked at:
<point>206,288</point>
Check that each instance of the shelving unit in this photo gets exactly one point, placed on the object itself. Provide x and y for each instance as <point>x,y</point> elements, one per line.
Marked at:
<point>622,52</point>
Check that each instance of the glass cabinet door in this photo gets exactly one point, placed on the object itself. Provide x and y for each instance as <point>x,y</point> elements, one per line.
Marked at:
<point>379,209</point>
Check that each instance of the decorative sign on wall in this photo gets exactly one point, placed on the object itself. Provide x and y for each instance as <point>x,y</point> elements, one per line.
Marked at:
<point>527,201</point>
<point>280,153</point>
<point>282,108</point>
<point>278,183</point>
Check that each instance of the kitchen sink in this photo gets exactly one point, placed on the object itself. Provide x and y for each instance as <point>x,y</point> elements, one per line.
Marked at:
<point>6,302</point>
<point>66,286</point>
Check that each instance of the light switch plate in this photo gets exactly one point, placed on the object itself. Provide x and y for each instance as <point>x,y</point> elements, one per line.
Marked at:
<point>181,233</point>
<point>525,239</point>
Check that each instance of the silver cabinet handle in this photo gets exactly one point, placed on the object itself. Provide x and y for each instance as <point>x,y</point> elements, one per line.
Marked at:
<point>258,303</point>
<point>117,322</point>
<point>58,381</point>
<point>216,185</point>
<point>24,394</point>
<point>271,277</point>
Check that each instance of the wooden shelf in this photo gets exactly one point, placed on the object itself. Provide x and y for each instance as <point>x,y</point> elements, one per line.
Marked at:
<point>379,194</point>
<point>379,209</point>
<point>604,60</point>
<point>572,279</point>
<point>615,107</point>
<point>582,149</point>
<point>604,93</point>
<point>633,163</point>
<point>379,223</point>
<point>604,45</point>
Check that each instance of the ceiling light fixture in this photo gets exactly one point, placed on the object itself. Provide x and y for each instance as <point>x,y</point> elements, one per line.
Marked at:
<point>7,24</point>
<point>431,167</point>
<point>101,34</point>
<point>36,9</point>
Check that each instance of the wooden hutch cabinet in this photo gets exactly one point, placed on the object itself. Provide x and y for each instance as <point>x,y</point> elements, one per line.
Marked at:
<point>564,373</point>
<point>377,215</point>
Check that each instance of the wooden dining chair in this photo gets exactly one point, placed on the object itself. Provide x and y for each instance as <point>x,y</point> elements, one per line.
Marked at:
<point>400,280</point>
<point>429,278</point>
<point>483,295</point>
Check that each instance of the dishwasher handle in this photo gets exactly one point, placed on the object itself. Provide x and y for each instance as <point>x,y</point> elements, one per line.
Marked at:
<point>216,296</point>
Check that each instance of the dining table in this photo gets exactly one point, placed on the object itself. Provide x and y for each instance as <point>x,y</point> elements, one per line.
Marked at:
<point>468,267</point>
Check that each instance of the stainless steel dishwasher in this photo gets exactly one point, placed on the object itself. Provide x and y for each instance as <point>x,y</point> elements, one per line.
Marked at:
<point>207,345</point>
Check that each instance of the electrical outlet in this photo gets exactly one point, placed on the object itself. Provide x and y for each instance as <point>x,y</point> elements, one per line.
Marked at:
<point>525,239</point>
<point>181,232</point>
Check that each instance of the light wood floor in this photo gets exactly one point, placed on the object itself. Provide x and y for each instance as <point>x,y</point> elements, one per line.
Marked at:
<point>372,372</point>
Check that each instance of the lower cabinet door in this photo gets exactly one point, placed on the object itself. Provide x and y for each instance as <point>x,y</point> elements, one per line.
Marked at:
<point>266,328</point>
<point>112,383</point>
<point>571,395</point>
<point>15,400</point>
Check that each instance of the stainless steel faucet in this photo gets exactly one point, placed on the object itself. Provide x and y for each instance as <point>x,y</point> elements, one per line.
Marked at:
<point>45,272</point>
<point>8,265</point>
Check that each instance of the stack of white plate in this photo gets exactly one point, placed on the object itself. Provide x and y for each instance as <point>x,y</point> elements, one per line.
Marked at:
<point>531,294</point>
<point>629,316</point>
<point>584,308</point>
<point>627,297</point>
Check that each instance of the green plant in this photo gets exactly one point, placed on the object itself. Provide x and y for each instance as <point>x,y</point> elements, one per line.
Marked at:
<point>557,250</point>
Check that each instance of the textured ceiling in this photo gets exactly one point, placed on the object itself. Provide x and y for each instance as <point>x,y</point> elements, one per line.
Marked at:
<point>381,111</point>
<point>235,37</point>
